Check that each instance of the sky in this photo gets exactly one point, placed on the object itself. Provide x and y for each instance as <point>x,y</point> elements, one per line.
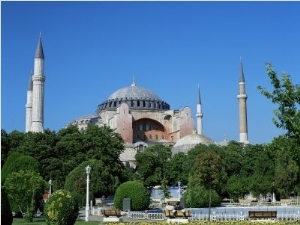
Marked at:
<point>94,48</point>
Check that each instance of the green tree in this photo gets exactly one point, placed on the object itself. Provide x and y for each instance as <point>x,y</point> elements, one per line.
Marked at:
<point>261,180</point>
<point>178,169</point>
<point>4,146</point>
<point>287,96</point>
<point>152,164</point>
<point>25,188</point>
<point>286,171</point>
<point>236,187</point>
<point>199,197</point>
<point>104,180</point>
<point>208,171</point>
<point>139,195</point>
<point>17,162</point>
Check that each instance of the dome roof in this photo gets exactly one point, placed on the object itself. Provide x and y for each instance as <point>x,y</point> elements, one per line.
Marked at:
<point>135,97</point>
<point>134,92</point>
<point>189,141</point>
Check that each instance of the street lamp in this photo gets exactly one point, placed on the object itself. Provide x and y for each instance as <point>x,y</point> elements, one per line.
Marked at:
<point>50,183</point>
<point>87,170</point>
<point>179,190</point>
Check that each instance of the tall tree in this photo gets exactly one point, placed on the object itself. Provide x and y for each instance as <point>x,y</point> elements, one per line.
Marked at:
<point>152,164</point>
<point>287,96</point>
<point>178,169</point>
<point>208,171</point>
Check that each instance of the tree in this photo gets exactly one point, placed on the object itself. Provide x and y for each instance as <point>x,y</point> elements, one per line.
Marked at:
<point>104,179</point>
<point>138,194</point>
<point>178,169</point>
<point>4,146</point>
<point>152,164</point>
<point>25,188</point>
<point>208,171</point>
<point>17,162</point>
<point>287,96</point>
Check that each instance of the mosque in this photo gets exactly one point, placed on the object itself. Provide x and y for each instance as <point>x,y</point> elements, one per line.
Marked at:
<point>139,115</point>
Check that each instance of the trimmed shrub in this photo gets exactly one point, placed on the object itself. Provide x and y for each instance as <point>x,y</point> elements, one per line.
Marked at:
<point>61,208</point>
<point>198,197</point>
<point>139,195</point>
<point>6,213</point>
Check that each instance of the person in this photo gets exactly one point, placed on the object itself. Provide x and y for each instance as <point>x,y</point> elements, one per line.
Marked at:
<point>178,206</point>
<point>169,206</point>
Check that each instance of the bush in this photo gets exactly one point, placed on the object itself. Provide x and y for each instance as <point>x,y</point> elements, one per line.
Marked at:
<point>198,197</point>
<point>139,195</point>
<point>61,208</point>
<point>6,213</point>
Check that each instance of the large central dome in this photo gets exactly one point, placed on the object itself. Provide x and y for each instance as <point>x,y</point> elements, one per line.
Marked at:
<point>136,98</point>
<point>134,92</point>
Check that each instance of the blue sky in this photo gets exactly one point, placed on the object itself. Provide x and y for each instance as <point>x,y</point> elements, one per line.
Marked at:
<point>94,48</point>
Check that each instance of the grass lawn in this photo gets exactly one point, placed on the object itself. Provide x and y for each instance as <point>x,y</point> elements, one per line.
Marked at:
<point>41,221</point>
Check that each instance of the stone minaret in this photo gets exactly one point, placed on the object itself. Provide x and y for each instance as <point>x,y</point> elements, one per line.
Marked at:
<point>29,106</point>
<point>38,80</point>
<point>199,114</point>
<point>242,97</point>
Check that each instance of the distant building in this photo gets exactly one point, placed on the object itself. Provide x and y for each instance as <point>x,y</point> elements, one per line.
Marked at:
<point>139,115</point>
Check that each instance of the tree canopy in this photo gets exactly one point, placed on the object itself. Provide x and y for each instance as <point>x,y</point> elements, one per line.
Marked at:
<point>287,96</point>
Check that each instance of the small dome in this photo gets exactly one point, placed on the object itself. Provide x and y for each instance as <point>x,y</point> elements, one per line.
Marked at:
<point>190,141</point>
<point>133,92</point>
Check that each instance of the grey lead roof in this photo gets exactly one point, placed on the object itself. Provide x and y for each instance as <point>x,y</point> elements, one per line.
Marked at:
<point>39,53</point>
<point>133,92</point>
<point>30,84</point>
<point>242,79</point>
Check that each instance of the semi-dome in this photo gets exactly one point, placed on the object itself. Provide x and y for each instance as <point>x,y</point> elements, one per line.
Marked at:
<point>136,98</point>
<point>190,141</point>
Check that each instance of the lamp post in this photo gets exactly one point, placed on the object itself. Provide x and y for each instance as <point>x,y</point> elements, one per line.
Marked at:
<point>50,183</point>
<point>179,190</point>
<point>87,170</point>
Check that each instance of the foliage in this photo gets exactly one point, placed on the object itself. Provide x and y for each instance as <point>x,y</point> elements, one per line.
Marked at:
<point>61,208</point>
<point>152,164</point>
<point>178,169</point>
<point>8,166</point>
<point>104,180</point>
<point>139,195</point>
<point>24,188</point>
<point>199,197</point>
<point>208,171</point>
<point>287,96</point>
<point>6,213</point>
<point>236,187</point>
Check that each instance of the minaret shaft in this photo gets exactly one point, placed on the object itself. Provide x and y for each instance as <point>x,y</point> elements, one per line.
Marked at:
<point>29,107</point>
<point>199,114</point>
<point>242,98</point>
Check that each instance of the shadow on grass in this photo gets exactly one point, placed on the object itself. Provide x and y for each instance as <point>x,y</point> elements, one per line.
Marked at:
<point>41,221</point>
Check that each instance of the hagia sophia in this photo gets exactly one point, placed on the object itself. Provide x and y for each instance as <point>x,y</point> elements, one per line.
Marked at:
<point>139,115</point>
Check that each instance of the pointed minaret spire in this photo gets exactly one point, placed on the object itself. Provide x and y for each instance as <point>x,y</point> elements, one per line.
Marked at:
<point>133,82</point>
<point>199,114</point>
<point>242,79</point>
<point>242,97</point>
<point>39,53</point>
